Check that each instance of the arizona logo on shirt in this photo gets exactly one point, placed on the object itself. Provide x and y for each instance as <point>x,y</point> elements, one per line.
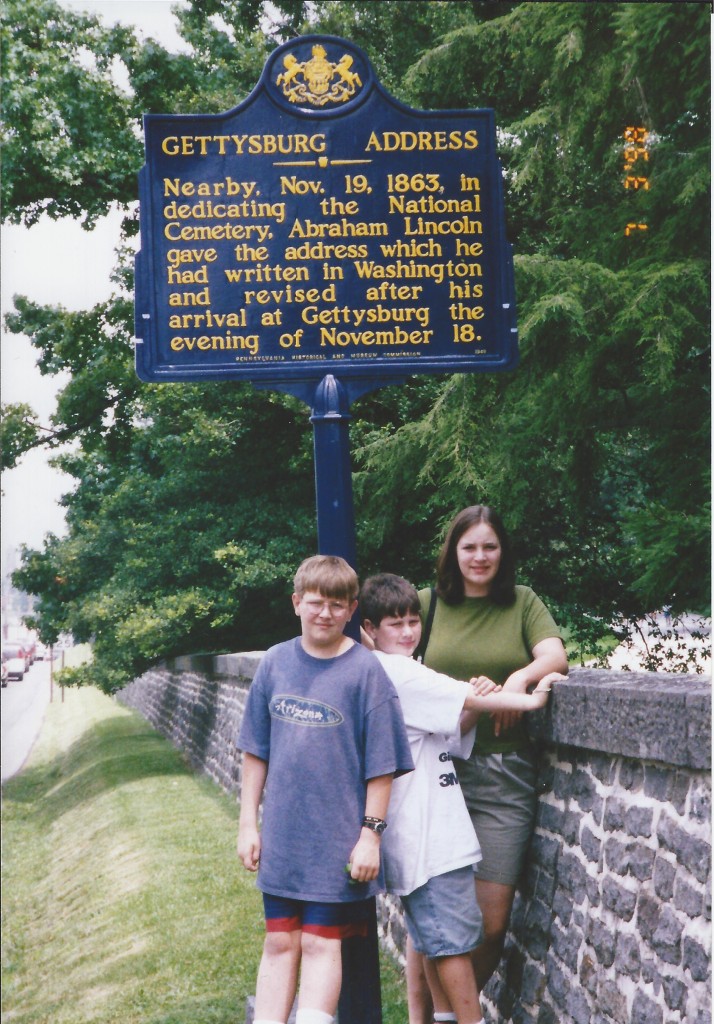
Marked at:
<point>302,711</point>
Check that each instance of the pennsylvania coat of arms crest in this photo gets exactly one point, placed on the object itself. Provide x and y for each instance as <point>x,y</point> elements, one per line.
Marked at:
<point>318,81</point>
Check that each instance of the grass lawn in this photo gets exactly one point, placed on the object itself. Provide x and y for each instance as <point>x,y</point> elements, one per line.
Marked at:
<point>123,898</point>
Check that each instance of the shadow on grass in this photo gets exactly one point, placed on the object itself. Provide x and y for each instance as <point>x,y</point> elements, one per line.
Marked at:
<point>113,752</point>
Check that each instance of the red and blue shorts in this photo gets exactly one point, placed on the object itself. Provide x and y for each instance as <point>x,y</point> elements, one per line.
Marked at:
<point>330,920</point>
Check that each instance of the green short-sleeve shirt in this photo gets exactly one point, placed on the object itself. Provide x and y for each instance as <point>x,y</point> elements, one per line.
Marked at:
<point>478,637</point>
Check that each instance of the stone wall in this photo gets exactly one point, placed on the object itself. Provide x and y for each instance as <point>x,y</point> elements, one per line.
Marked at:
<point>613,921</point>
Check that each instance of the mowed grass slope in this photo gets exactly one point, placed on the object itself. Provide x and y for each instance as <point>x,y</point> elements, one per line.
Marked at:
<point>123,898</point>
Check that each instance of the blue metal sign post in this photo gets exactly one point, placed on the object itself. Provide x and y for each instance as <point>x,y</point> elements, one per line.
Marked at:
<point>324,239</point>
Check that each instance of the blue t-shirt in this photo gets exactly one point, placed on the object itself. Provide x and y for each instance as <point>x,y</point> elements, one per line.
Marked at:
<point>325,726</point>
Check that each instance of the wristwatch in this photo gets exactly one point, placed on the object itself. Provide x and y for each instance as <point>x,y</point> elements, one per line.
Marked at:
<point>377,825</point>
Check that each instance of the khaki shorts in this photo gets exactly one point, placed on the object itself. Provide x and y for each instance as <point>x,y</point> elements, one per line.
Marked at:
<point>500,793</point>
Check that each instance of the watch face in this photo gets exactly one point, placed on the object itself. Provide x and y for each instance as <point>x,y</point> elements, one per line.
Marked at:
<point>375,825</point>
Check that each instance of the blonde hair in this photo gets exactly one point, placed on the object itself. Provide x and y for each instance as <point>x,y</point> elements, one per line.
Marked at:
<point>328,575</point>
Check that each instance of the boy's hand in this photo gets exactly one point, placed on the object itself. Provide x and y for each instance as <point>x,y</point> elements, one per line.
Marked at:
<point>544,687</point>
<point>365,857</point>
<point>249,847</point>
<point>482,686</point>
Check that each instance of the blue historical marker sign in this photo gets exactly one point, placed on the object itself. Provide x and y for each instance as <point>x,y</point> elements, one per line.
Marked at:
<point>322,227</point>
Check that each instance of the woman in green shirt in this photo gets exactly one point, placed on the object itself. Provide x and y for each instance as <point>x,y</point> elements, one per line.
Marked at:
<point>483,624</point>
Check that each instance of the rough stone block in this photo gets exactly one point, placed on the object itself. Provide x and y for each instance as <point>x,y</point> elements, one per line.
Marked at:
<point>536,930</point>
<point>558,983</point>
<point>698,713</point>
<point>562,781</point>
<point>638,821</point>
<point>667,937</point>
<point>566,945</point>
<point>584,790</point>
<point>675,993</point>
<point>648,915</point>
<point>533,984</point>
<point>617,856</point>
<point>618,899</point>
<point>631,775</point>
<point>547,1015</point>
<point>642,862</point>
<point>614,816</point>
<point>695,959</point>
<point>636,715</point>
<point>589,971</point>
<point>688,899</point>
<point>562,906</point>
<point>578,1006</point>
<point>604,768</point>
<point>544,889</point>
<point>627,954</point>
<point>657,782</point>
<point>664,874</point>
<point>591,845</point>
<point>592,888</point>
<point>571,875</point>
<point>679,791</point>
<point>645,1010</point>
<point>692,852</point>
<point>549,818</point>
<point>545,851</point>
<point>700,799</point>
<point>602,940</point>
<point>612,1001</point>
<point>572,820</point>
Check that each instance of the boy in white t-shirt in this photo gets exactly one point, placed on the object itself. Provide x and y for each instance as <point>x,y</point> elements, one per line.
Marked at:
<point>430,846</point>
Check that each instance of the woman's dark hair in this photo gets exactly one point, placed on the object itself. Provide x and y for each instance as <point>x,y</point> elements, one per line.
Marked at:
<point>449,581</point>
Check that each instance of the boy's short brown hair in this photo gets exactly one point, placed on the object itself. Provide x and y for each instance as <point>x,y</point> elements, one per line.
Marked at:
<point>386,595</point>
<point>328,575</point>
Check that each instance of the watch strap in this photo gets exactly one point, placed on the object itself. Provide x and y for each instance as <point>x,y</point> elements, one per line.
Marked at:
<point>377,825</point>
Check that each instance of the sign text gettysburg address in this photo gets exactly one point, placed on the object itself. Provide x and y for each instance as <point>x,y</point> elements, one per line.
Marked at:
<point>418,219</point>
<point>339,242</point>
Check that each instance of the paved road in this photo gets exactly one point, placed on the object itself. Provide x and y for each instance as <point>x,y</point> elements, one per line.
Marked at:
<point>24,703</point>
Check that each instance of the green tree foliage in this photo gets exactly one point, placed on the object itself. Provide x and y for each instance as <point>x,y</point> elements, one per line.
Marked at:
<point>65,121</point>
<point>597,447</point>
<point>193,503</point>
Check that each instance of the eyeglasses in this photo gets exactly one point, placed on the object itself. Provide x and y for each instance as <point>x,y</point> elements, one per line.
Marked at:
<point>330,605</point>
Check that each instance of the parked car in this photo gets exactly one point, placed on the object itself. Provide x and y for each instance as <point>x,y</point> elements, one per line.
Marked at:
<point>40,652</point>
<point>4,670</point>
<point>29,646</point>
<point>13,656</point>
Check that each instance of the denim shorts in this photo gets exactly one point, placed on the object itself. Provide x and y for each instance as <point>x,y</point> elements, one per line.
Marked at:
<point>442,916</point>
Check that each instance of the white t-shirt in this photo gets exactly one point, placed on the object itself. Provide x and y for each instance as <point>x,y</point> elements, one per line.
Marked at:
<point>429,828</point>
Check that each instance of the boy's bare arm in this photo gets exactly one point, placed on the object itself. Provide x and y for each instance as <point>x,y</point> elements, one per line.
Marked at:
<point>504,700</point>
<point>364,859</point>
<point>253,778</point>
<point>482,686</point>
